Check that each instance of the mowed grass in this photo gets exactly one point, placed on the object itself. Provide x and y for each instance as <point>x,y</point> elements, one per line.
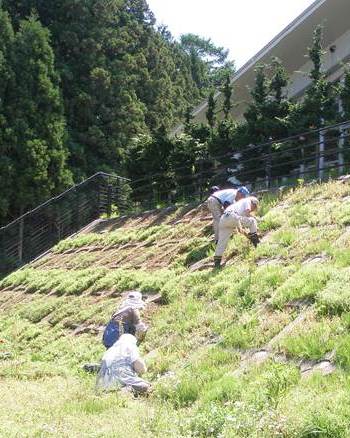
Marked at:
<point>52,314</point>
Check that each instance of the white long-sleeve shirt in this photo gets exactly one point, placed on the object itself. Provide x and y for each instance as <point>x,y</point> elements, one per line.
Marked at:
<point>226,195</point>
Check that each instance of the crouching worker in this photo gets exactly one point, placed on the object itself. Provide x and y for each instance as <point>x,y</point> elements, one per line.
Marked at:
<point>122,367</point>
<point>126,320</point>
<point>221,199</point>
<point>234,217</point>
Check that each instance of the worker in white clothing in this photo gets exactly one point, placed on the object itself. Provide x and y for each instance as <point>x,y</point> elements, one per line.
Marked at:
<point>235,216</point>
<point>221,199</point>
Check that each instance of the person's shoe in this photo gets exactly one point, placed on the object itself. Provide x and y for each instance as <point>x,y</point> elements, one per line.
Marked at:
<point>217,262</point>
<point>92,367</point>
<point>254,238</point>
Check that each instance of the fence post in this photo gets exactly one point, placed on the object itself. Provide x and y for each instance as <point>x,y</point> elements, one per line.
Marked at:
<point>321,155</point>
<point>76,210</point>
<point>20,241</point>
<point>341,143</point>
<point>109,199</point>
<point>99,206</point>
<point>302,157</point>
<point>268,166</point>
<point>2,251</point>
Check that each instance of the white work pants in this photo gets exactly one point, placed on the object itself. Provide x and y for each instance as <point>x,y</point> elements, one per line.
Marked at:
<point>216,210</point>
<point>228,223</point>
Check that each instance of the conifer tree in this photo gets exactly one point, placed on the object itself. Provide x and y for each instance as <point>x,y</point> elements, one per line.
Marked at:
<point>7,159</point>
<point>319,104</point>
<point>227,92</point>
<point>210,114</point>
<point>35,114</point>
<point>345,94</point>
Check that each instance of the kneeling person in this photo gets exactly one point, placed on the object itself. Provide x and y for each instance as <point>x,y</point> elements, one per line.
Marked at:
<point>122,367</point>
<point>126,320</point>
<point>236,216</point>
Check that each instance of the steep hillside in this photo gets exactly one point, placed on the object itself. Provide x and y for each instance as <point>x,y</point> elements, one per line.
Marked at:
<point>260,348</point>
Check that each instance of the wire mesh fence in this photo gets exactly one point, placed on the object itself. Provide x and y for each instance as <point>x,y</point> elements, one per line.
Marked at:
<point>314,155</point>
<point>35,232</point>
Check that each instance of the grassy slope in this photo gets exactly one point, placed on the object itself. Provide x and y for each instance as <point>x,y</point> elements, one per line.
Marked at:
<point>199,344</point>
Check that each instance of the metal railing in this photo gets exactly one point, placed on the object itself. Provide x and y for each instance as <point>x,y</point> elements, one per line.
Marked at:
<point>317,154</point>
<point>30,235</point>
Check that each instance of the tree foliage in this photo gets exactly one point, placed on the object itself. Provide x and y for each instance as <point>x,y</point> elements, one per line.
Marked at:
<point>91,85</point>
<point>105,76</point>
<point>32,110</point>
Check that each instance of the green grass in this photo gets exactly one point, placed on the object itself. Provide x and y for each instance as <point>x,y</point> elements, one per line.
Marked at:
<point>208,321</point>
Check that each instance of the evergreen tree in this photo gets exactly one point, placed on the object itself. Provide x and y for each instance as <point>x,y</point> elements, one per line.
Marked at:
<point>255,114</point>
<point>120,76</point>
<point>7,159</point>
<point>209,63</point>
<point>266,120</point>
<point>227,92</point>
<point>210,114</point>
<point>188,117</point>
<point>35,114</point>
<point>319,105</point>
<point>345,94</point>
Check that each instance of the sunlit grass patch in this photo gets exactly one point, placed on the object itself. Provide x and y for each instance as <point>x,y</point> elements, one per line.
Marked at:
<point>318,406</point>
<point>342,215</point>
<point>268,202</point>
<point>285,237</point>
<point>78,242</point>
<point>184,388</point>
<point>304,284</point>
<point>242,406</point>
<point>334,299</point>
<point>299,215</point>
<point>341,257</point>
<point>273,220</point>
<point>269,249</point>
<point>252,330</point>
<point>312,339</point>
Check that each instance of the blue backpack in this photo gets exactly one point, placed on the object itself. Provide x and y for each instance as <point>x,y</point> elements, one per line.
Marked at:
<point>114,330</point>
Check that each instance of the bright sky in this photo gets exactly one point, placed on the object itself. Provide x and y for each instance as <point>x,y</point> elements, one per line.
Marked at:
<point>242,26</point>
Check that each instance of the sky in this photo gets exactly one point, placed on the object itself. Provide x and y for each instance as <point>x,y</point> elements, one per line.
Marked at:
<point>242,26</point>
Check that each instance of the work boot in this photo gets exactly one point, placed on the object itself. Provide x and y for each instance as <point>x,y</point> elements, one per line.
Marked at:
<point>217,262</point>
<point>254,238</point>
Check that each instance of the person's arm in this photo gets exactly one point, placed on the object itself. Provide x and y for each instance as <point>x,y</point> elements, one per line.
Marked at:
<point>139,366</point>
<point>136,318</point>
<point>248,209</point>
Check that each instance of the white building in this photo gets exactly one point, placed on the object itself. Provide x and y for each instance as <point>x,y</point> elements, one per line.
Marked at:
<point>290,46</point>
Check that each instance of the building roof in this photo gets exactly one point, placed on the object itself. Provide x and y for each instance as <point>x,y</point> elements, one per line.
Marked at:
<point>290,45</point>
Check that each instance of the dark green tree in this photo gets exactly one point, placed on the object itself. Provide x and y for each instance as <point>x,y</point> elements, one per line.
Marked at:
<point>35,113</point>
<point>345,94</point>
<point>210,114</point>
<point>120,76</point>
<point>319,105</point>
<point>209,63</point>
<point>7,159</point>
<point>227,93</point>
